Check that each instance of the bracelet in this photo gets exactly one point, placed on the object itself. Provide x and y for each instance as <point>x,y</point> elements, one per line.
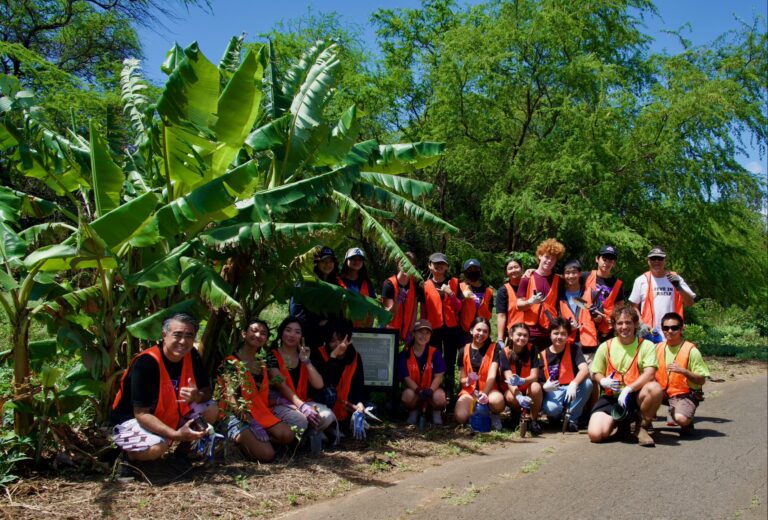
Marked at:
<point>307,362</point>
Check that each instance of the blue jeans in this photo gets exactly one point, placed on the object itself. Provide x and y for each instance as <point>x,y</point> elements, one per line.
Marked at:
<point>554,402</point>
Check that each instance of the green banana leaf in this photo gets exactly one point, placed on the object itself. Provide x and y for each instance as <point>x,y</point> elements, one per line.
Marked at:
<point>324,298</point>
<point>404,186</point>
<point>271,135</point>
<point>242,235</point>
<point>123,223</point>
<point>107,176</point>
<point>401,205</point>
<point>151,327</point>
<point>240,102</point>
<point>230,61</point>
<point>202,281</point>
<point>340,140</point>
<point>164,272</point>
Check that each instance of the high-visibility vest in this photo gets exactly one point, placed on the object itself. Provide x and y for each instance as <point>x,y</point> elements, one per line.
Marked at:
<point>628,377</point>
<point>608,305</point>
<point>647,312</point>
<point>300,389</point>
<point>344,385</point>
<point>525,369</point>
<point>168,408</point>
<point>566,374</point>
<point>402,320</point>
<point>673,383</point>
<point>440,312</point>
<point>470,309</point>
<point>256,397</point>
<point>511,304</point>
<point>535,313</point>
<point>587,332</point>
<point>482,374</point>
<point>423,379</point>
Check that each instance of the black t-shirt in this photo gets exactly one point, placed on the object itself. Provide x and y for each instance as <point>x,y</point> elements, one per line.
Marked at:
<point>476,356</point>
<point>333,369</point>
<point>502,299</point>
<point>606,283</point>
<point>141,387</point>
<point>388,290</point>
<point>521,360</point>
<point>577,358</point>
<point>479,291</point>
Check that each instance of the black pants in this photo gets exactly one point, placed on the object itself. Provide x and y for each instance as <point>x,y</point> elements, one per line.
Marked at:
<point>448,340</point>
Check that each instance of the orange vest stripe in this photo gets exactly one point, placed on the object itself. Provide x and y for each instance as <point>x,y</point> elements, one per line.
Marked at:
<point>424,380</point>
<point>673,384</point>
<point>303,376</point>
<point>608,305</point>
<point>344,386</point>
<point>482,374</point>
<point>566,365</point>
<point>469,310</point>
<point>257,398</point>
<point>511,304</point>
<point>440,312</point>
<point>648,312</point>
<point>587,332</point>
<point>525,370</point>
<point>632,373</point>
<point>535,314</point>
<point>403,318</point>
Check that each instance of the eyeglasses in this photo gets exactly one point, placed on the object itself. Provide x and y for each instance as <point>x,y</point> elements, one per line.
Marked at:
<point>673,328</point>
<point>180,335</point>
<point>656,259</point>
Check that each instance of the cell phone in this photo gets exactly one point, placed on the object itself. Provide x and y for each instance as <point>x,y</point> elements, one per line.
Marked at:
<point>199,424</point>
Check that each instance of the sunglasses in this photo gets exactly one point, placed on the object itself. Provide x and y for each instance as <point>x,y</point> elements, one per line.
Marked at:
<point>673,328</point>
<point>656,258</point>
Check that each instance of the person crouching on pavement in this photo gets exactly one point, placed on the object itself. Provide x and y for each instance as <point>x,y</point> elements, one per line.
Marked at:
<point>567,376</point>
<point>479,369</point>
<point>625,368</point>
<point>521,374</point>
<point>162,393</point>
<point>254,429</point>
<point>681,373</point>
<point>421,367</point>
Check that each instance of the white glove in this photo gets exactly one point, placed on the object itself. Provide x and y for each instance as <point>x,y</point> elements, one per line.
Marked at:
<point>515,380</point>
<point>624,396</point>
<point>570,392</point>
<point>524,400</point>
<point>551,386</point>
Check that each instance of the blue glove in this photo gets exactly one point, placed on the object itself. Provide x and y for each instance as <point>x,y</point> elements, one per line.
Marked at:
<point>524,400</point>
<point>624,397</point>
<point>359,425</point>
<point>515,380</point>
<point>330,396</point>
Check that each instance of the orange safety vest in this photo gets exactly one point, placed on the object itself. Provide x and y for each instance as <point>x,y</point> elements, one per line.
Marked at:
<point>424,380</point>
<point>511,304</point>
<point>535,314</point>
<point>647,314</point>
<point>363,292</point>
<point>470,310</point>
<point>628,377</point>
<point>587,331</point>
<point>608,305</point>
<point>566,374</point>
<point>402,321</point>
<point>257,398</point>
<point>485,367</point>
<point>525,370</point>
<point>168,408</point>
<point>673,384</point>
<point>303,376</point>
<point>344,385</point>
<point>440,312</point>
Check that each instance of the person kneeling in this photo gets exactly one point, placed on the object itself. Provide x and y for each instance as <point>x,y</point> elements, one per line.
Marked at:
<point>625,368</point>
<point>521,386</point>
<point>162,394</point>
<point>421,367</point>
<point>478,375</point>
<point>565,390</point>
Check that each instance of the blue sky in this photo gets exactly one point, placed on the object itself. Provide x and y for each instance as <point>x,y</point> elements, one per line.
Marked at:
<point>707,19</point>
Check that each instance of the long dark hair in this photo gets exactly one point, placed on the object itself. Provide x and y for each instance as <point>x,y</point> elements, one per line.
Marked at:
<point>331,277</point>
<point>362,273</point>
<point>281,328</point>
<point>487,323</point>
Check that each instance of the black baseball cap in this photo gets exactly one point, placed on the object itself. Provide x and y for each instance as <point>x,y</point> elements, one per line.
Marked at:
<point>657,251</point>
<point>608,251</point>
<point>437,258</point>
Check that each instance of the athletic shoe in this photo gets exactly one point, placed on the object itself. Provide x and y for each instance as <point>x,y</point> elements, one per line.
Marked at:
<point>413,417</point>
<point>648,425</point>
<point>572,427</point>
<point>535,428</point>
<point>495,422</point>
<point>437,417</point>
<point>644,438</point>
<point>671,420</point>
<point>687,430</point>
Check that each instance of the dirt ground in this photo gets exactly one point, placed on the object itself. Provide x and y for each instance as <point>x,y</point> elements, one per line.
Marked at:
<point>235,488</point>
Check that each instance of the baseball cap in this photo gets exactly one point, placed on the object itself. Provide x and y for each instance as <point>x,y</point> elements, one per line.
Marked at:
<point>438,257</point>
<point>354,251</point>
<point>325,252</point>
<point>422,324</point>
<point>572,263</point>
<point>608,251</point>
<point>657,251</point>
<point>471,263</point>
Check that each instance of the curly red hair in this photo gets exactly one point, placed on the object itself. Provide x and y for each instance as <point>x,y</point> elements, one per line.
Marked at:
<point>551,247</point>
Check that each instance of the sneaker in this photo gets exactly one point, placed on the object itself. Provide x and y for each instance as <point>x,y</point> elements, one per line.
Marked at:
<point>535,428</point>
<point>495,422</point>
<point>413,417</point>
<point>686,430</point>
<point>572,427</point>
<point>437,417</point>
<point>125,471</point>
<point>648,425</point>
<point>644,438</point>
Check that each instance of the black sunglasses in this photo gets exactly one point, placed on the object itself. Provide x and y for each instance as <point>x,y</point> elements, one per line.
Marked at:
<point>667,328</point>
<point>656,258</point>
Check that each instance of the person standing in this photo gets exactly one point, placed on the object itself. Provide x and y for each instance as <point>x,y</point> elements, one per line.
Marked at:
<point>506,298</point>
<point>478,297</point>
<point>659,291</point>
<point>605,290</point>
<point>314,324</point>
<point>401,295</point>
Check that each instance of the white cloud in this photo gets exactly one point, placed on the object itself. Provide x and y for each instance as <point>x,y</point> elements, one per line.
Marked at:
<point>756,168</point>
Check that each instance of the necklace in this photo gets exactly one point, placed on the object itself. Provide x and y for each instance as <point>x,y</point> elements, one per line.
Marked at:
<point>290,361</point>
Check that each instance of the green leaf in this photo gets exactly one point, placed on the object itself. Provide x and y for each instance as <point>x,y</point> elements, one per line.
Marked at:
<point>231,59</point>
<point>340,140</point>
<point>11,245</point>
<point>49,376</point>
<point>107,176</point>
<point>327,299</point>
<point>172,59</point>
<point>239,104</point>
<point>396,203</point>
<point>7,282</point>
<point>401,185</point>
<point>271,135</point>
<point>164,272</point>
<point>123,222</point>
<point>399,158</point>
<point>42,350</point>
<point>241,235</point>
<point>199,279</point>
<point>150,328</point>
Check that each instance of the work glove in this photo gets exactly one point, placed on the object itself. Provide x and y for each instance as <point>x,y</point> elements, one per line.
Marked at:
<point>482,398</point>
<point>610,384</point>
<point>674,280</point>
<point>330,396</point>
<point>570,392</point>
<point>309,412</point>
<point>472,378</point>
<point>624,396</point>
<point>258,431</point>
<point>500,344</point>
<point>359,425</point>
<point>538,298</point>
<point>425,394</point>
<point>515,380</point>
<point>550,386</point>
<point>524,400</point>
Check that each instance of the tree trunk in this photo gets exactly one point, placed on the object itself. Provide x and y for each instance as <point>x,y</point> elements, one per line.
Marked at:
<point>22,421</point>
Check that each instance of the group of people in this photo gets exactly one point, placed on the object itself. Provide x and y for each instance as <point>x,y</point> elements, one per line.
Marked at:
<point>569,346</point>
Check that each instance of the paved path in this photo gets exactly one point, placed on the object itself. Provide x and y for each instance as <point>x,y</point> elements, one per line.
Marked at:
<point>719,473</point>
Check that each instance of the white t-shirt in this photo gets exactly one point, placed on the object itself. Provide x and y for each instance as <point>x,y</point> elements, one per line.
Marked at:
<point>663,295</point>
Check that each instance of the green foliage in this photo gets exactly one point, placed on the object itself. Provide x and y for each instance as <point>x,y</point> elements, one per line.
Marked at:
<point>727,331</point>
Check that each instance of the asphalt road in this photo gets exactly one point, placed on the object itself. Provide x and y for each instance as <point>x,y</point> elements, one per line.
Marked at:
<point>720,473</point>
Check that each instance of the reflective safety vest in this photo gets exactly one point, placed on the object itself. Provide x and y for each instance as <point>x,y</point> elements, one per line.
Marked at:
<point>168,408</point>
<point>301,391</point>
<point>587,332</point>
<point>566,374</point>
<point>511,304</point>
<point>482,374</point>
<point>628,377</point>
<point>647,314</point>
<point>535,313</point>
<point>525,369</point>
<point>470,308</point>
<point>673,383</point>
<point>256,397</point>
<point>423,379</point>
<point>608,305</point>
<point>440,311</point>
<point>364,291</point>
<point>402,320</point>
<point>344,385</point>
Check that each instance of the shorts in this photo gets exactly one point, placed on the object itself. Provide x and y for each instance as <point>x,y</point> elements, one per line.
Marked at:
<point>131,436</point>
<point>589,357</point>
<point>232,426</point>
<point>683,404</point>
<point>606,404</point>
